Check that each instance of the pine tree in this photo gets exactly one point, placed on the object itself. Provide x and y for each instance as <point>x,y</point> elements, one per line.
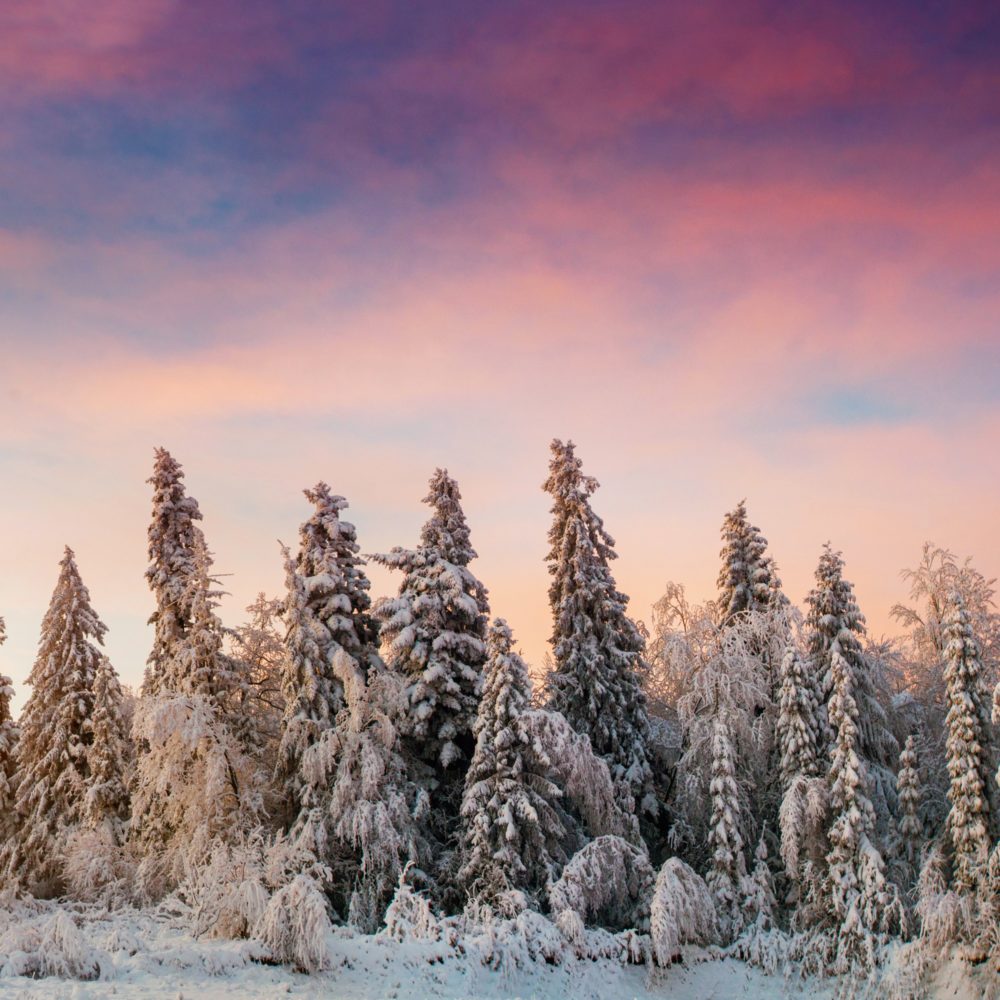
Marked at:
<point>748,579</point>
<point>8,754</point>
<point>512,828</point>
<point>107,802</point>
<point>911,829</point>
<point>435,632</point>
<point>174,540</point>
<point>598,650</point>
<point>55,731</point>
<point>326,611</point>
<point>798,727</point>
<point>968,818</point>
<point>727,872</point>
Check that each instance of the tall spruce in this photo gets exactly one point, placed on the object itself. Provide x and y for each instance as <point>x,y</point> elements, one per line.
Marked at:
<point>798,726</point>
<point>911,828</point>
<point>833,619</point>
<point>174,541</point>
<point>727,869</point>
<point>748,580</point>
<point>597,649</point>
<point>512,821</point>
<point>327,611</point>
<point>862,903</point>
<point>966,748</point>
<point>434,633</point>
<point>55,731</point>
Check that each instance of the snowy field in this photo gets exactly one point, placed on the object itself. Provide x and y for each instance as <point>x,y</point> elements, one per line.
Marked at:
<point>141,956</point>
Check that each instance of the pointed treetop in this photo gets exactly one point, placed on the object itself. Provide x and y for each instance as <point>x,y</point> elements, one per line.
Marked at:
<point>566,480</point>
<point>447,531</point>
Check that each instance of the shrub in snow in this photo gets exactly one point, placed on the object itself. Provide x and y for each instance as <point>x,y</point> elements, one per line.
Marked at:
<point>63,951</point>
<point>606,883</point>
<point>98,869</point>
<point>508,943</point>
<point>295,926</point>
<point>681,912</point>
<point>596,682</point>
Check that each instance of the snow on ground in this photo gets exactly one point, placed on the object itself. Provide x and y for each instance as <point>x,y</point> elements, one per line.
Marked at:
<point>145,957</point>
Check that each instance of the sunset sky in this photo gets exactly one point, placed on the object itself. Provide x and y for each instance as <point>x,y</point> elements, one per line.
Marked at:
<point>730,249</point>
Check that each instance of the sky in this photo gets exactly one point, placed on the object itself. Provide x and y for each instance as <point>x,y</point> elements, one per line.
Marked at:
<point>730,249</point>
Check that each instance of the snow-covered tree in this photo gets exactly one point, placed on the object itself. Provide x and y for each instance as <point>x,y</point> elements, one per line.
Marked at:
<point>327,610</point>
<point>727,871</point>
<point>107,802</point>
<point>968,818</point>
<point>862,903</point>
<point>373,805</point>
<point>55,731</point>
<point>8,754</point>
<point>174,539</point>
<point>833,621</point>
<point>434,634</point>
<point>512,829</point>
<point>911,827</point>
<point>799,723</point>
<point>259,653</point>
<point>748,579</point>
<point>598,650</point>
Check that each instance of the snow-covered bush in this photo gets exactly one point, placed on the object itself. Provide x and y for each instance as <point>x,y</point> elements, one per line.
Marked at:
<point>295,926</point>
<point>98,869</point>
<point>227,896</point>
<point>681,912</point>
<point>606,883</point>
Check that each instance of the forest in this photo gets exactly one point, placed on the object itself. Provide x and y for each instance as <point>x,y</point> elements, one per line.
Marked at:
<point>742,781</point>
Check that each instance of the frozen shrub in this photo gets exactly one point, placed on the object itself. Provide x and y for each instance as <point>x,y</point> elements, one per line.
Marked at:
<point>681,912</point>
<point>295,926</point>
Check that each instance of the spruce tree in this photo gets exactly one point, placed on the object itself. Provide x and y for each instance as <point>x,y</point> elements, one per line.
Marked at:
<point>8,754</point>
<point>598,651</point>
<point>327,610</point>
<point>174,540</point>
<point>107,802</point>
<point>748,579</point>
<point>511,817</point>
<point>968,818</point>
<point>798,727</point>
<point>833,619</point>
<point>55,732</point>
<point>727,870</point>
<point>862,904</point>
<point>434,633</point>
<point>911,828</point>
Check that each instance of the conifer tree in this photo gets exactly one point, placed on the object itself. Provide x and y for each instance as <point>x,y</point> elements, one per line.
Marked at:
<point>434,633</point>
<point>8,754</point>
<point>512,825</point>
<point>968,818</point>
<point>862,903</point>
<point>834,620</point>
<point>107,802</point>
<point>598,650</point>
<point>748,579</point>
<point>55,735</point>
<point>911,829</point>
<point>798,726</point>
<point>727,871</point>
<point>327,610</point>
<point>174,540</point>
